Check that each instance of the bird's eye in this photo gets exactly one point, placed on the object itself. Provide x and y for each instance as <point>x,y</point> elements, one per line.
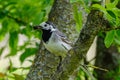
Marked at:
<point>45,25</point>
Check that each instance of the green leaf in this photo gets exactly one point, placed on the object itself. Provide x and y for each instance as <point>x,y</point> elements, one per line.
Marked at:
<point>1,50</point>
<point>4,29</point>
<point>78,18</point>
<point>11,68</point>
<point>118,33</point>
<point>117,37</point>
<point>117,41</point>
<point>28,52</point>
<point>112,14</point>
<point>115,2</point>
<point>37,34</point>
<point>27,31</point>
<point>109,38</point>
<point>112,5</point>
<point>13,26</point>
<point>18,77</point>
<point>39,18</point>
<point>47,1</point>
<point>76,15</point>
<point>13,42</point>
<point>80,21</point>
<point>98,6</point>
<point>72,1</point>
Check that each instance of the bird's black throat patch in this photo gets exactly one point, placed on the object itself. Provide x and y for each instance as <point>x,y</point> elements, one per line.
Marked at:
<point>46,35</point>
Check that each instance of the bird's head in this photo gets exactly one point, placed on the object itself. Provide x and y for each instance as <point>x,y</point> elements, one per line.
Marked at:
<point>45,26</point>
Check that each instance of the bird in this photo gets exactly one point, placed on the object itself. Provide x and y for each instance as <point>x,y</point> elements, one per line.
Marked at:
<point>53,39</point>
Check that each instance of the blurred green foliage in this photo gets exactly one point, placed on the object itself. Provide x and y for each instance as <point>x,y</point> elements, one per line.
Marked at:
<point>17,18</point>
<point>112,14</point>
<point>113,74</point>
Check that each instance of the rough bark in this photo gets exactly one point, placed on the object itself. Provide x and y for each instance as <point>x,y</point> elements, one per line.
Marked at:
<point>62,16</point>
<point>45,65</point>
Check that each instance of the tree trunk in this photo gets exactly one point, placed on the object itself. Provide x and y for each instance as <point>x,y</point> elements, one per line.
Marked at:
<point>46,65</point>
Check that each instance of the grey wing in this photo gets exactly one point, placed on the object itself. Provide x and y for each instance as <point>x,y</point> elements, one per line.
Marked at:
<point>60,33</point>
<point>63,37</point>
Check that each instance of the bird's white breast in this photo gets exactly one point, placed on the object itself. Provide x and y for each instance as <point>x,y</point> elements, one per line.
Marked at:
<point>56,46</point>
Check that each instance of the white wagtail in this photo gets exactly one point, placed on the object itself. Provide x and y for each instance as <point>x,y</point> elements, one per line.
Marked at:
<point>54,40</point>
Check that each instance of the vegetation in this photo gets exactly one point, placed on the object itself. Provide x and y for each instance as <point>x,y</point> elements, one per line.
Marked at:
<point>18,16</point>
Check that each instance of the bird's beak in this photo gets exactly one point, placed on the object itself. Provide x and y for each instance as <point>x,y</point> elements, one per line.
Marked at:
<point>36,27</point>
